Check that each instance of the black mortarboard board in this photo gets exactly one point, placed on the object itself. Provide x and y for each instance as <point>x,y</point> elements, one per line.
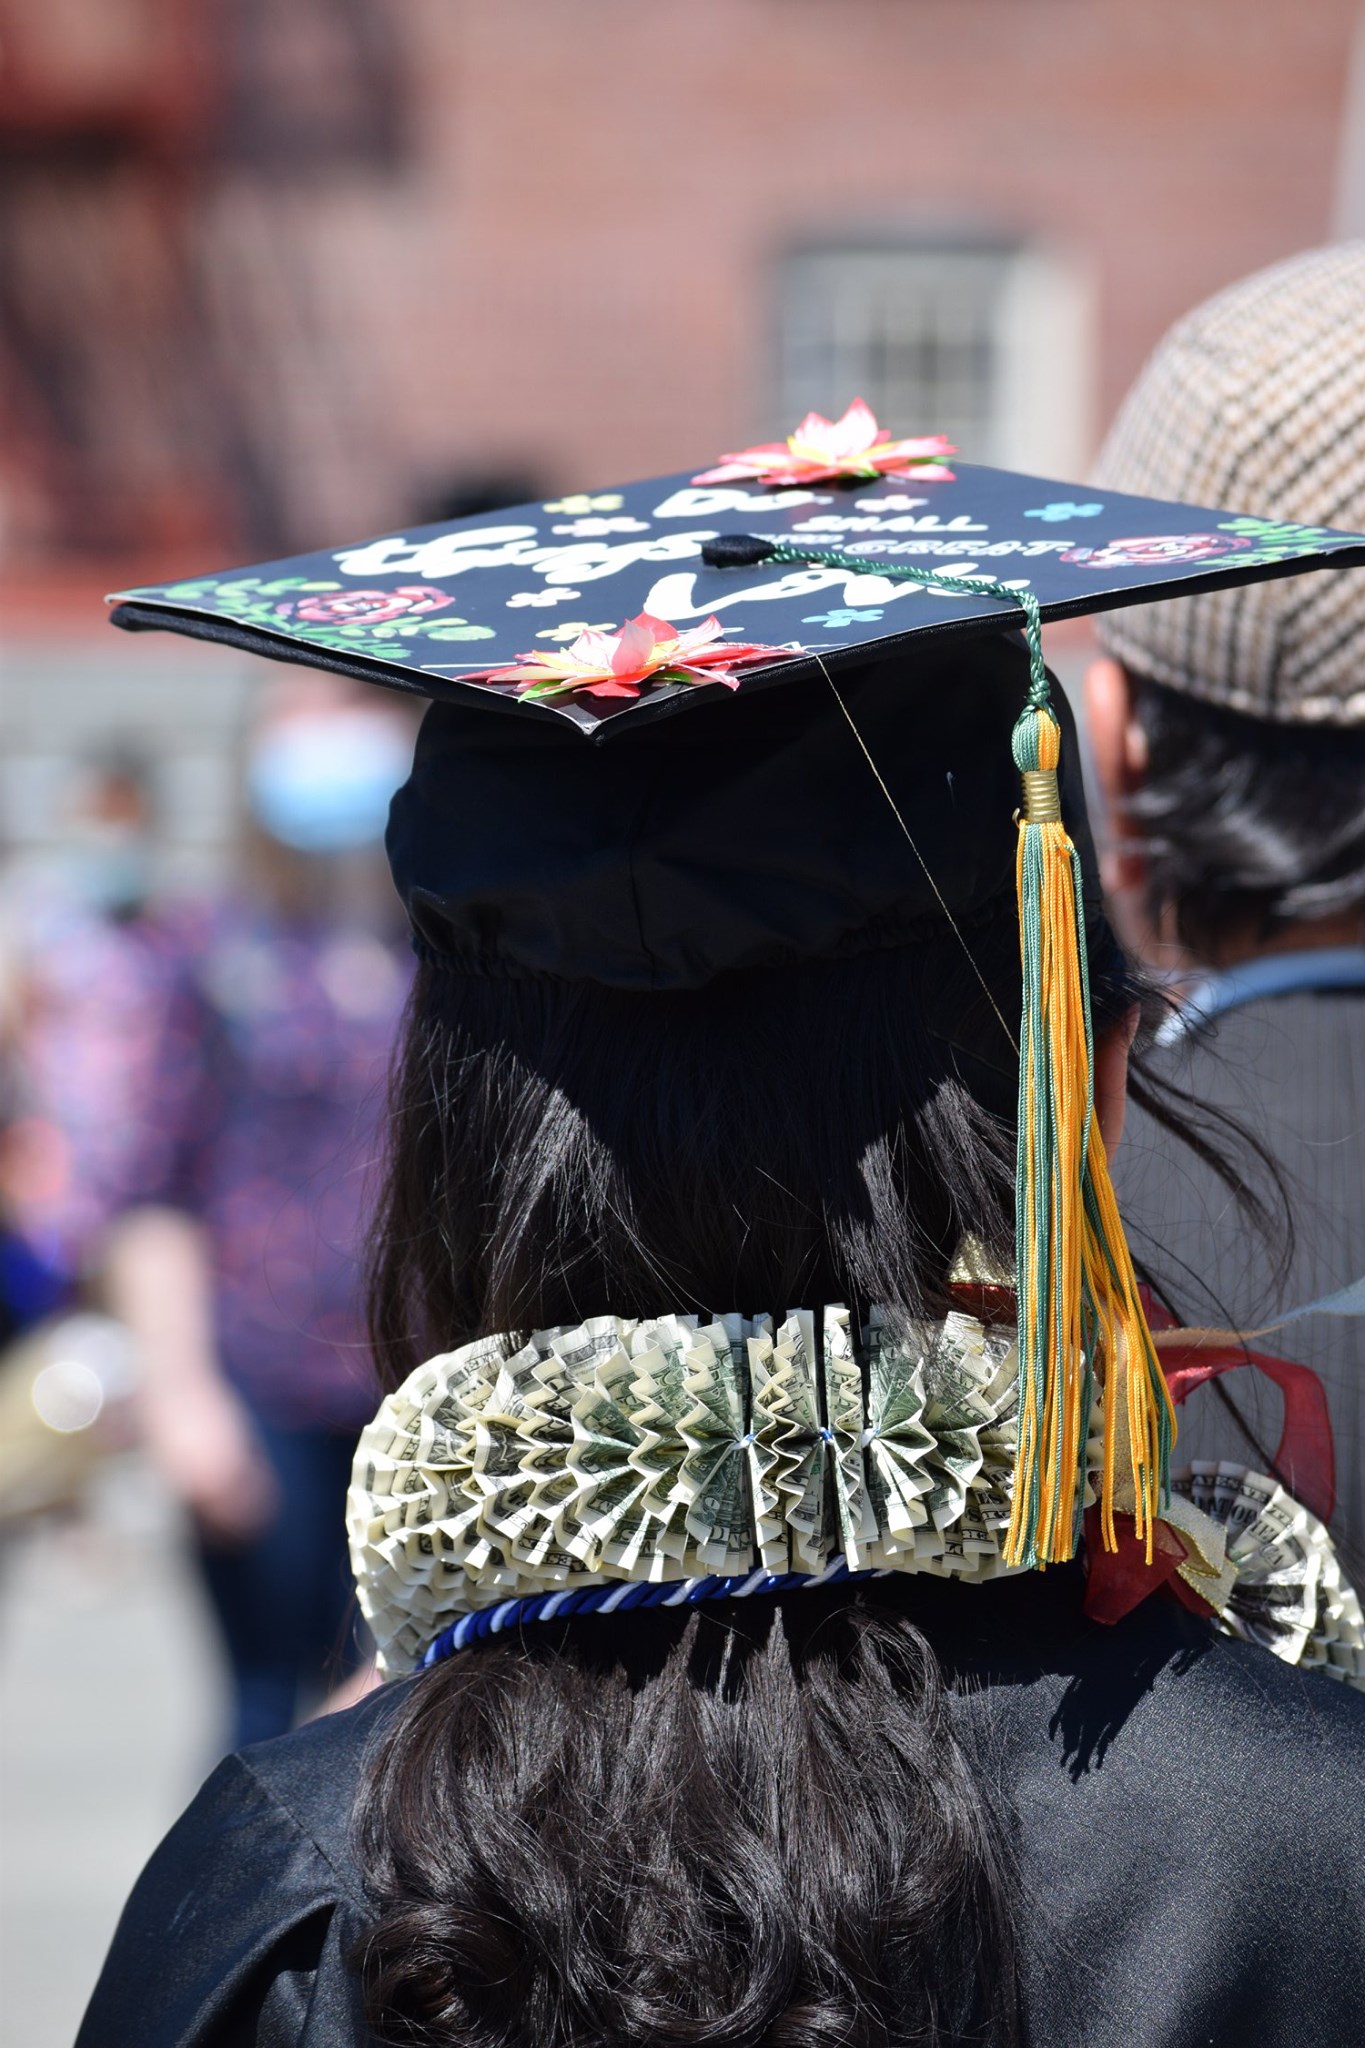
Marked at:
<point>423,608</point>
<point>753,833</point>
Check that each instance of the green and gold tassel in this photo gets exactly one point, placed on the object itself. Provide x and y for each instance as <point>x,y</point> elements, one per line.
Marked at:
<point>1076,1290</point>
<point>1055,1111</point>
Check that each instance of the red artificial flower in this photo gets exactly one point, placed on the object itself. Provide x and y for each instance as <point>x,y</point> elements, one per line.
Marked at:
<point>821,450</point>
<point>645,649</point>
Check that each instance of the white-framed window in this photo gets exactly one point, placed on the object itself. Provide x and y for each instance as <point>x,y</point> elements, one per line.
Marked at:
<point>987,341</point>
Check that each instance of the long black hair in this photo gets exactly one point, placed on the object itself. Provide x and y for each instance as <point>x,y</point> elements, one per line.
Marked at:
<point>755,1823</point>
<point>1248,827</point>
<point>764,1824</point>
<point>829,1132</point>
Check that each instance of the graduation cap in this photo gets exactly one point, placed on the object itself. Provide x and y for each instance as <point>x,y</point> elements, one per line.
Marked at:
<point>849,569</point>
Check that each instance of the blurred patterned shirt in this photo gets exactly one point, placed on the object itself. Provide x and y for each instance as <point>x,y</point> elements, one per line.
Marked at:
<point>264,1121</point>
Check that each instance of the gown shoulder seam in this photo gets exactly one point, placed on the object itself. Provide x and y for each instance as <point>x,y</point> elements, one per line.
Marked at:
<point>344,1878</point>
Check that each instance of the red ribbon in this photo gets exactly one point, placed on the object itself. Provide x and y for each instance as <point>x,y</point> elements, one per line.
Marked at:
<point>1117,1581</point>
<point>1305,1462</point>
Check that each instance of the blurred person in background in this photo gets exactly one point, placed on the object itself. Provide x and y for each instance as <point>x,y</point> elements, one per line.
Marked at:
<point>88,955</point>
<point>92,953</point>
<point>32,1283</point>
<point>1229,739</point>
<point>234,1261</point>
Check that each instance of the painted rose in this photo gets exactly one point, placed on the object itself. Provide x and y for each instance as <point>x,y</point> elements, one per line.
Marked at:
<point>1154,551</point>
<point>365,607</point>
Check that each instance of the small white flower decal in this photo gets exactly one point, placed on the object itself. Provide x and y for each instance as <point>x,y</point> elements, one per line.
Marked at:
<point>604,501</point>
<point>541,597</point>
<point>593,529</point>
<point>571,629</point>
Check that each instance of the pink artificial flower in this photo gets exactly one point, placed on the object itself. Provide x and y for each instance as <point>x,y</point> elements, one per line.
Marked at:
<point>821,449</point>
<point>617,664</point>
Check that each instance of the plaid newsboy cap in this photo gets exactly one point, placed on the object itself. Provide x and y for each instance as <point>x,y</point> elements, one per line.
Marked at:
<point>1257,400</point>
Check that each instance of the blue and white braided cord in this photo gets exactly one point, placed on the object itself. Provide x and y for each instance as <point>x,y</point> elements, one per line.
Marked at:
<point>618,1597</point>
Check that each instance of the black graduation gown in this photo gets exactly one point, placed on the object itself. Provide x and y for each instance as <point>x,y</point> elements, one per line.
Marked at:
<point>1191,1825</point>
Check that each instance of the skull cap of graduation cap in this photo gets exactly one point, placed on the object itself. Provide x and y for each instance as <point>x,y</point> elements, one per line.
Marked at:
<point>748,835</point>
<point>819,736</point>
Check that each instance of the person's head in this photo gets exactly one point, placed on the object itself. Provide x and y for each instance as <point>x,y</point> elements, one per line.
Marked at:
<point>322,762</point>
<point>110,832</point>
<point>1228,728</point>
<point>774,1072</point>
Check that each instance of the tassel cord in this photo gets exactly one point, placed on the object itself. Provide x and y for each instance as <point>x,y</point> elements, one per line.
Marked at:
<point>1024,600</point>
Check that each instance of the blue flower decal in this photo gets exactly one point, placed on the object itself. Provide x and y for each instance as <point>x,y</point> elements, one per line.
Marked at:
<point>1064,509</point>
<point>841,616</point>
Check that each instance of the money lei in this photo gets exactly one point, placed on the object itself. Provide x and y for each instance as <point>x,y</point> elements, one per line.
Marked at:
<point>669,1451</point>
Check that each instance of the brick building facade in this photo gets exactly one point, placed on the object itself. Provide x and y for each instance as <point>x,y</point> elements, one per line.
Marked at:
<point>612,188</point>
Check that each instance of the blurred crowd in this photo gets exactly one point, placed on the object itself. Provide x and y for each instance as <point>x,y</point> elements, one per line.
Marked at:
<point>191,1091</point>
